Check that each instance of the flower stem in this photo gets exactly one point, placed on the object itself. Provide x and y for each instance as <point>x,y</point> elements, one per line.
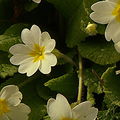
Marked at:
<point>65,57</point>
<point>69,59</point>
<point>80,76</point>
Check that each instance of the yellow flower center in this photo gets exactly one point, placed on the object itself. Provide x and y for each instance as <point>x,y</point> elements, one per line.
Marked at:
<point>3,107</point>
<point>116,12</point>
<point>38,52</point>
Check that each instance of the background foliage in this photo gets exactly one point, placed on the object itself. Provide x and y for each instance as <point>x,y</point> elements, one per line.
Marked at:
<point>66,21</point>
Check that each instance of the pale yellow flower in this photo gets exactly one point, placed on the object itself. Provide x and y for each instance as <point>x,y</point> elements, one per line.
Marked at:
<point>108,12</point>
<point>11,107</point>
<point>35,53</point>
<point>59,109</point>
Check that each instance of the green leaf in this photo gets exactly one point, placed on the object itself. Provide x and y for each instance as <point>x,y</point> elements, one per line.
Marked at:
<point>11,36</point>
<point>66,7</point>
<point>29,6</point>
<point>93,81</point>
<point>112,113</point>
<point>7,41</point>
<point>110,98</point>
<point>77,12</point>
<point>16,29</point>
<point>98,50</point>
<point>46,118</point>
<point>66,84</point>
<point>112,85</point>
<point>76,27</point>
<point>70,9</point>
<point>44,92</point>
<point>7,70</point>
<point>30,97</point>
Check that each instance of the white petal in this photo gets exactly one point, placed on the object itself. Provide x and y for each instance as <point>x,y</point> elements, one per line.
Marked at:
<point>45,35</point>
<point>101,18</point>
<point>19,49</point>
<point>4,117</point>
<point>29,67</point>
<point>45,67</point>
<point>17,113</point>
<point>59,108</point>
<point>49,45</point>
<point>103,7</point>
<point>48,61</point>
<point>102,12</point>
<point>24,108</point>
<point>37,1</point>
<point>33,68</point>
<point>11,94</point>
<point>48,42</point>
<point>116,36</point>
<point>112,28</point>
<point>27,37</point>
<point>51,58</point>
<point>15,99</point>
<point>18,59</point>
<point>36,33</point>
<point>84,111</point>
<point>117,46</point>
<point>24,67</point>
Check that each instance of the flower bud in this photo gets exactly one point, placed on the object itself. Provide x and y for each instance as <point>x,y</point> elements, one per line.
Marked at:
<point>91,29</point>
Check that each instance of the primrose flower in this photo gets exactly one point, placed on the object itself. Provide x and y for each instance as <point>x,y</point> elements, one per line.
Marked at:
<point>36,1</point>
<point>108,12</point>
<point>60,109</point>
<point>10,106</point>
<point>35,53</point>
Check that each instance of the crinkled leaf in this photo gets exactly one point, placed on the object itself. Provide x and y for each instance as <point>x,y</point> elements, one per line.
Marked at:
<point>112,113</point>
<point>112,85</point>
<point>16,29</point>
<point>7,41</point>
<point>66,84</point>
<point>98,50</point>
<point>7,70</point>
<point>11,36</point>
